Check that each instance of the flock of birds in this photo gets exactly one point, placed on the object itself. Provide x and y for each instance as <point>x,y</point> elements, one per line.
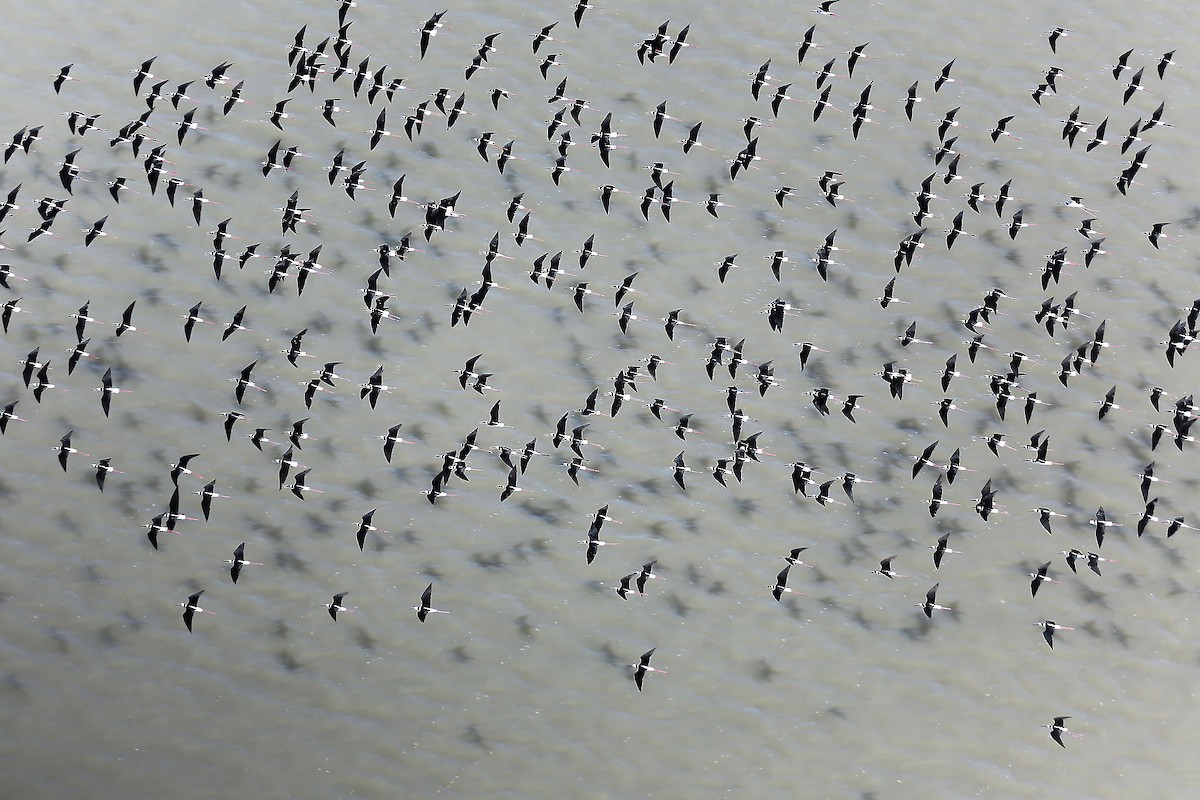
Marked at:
<point>334,78</point>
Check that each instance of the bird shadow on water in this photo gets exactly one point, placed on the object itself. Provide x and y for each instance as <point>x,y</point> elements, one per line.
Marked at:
<point>651,486</point>
<point>836,712</point>
<point>859,618</point>
<point>1174,589</point>
<point>919,629</point>
<point>1129,579</point>
<point>318,524</point>
<point>1091,597</point>
<point>431,572</point>
<point>363,638</point>
<point>64,522</point>
<point>92,573</point>
<point>853,550</point>
<point>677,606</point>
<point>529,549</point>
<point>473,736</point>
<point>14,686</point>
<point>745,507</point>
<point>5,491</point>
<point>545,514</point>
<point>762,671</point>
<point>272,532</point>
<point>59,639</point>
<point>489,561</point>
<point>1173,555</point>
<point>289,661</point>
<point>290,561</point>
<point>1119,635</point>
<point>525,627</point>
<point>793,609</point>
<point>107,636</point>
<point>609,656</point>
<point>820,576</point>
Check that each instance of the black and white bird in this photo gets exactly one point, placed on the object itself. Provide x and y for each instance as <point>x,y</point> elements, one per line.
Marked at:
<point>642,668</point>
<point>191,607</point>
<point>424,609</point>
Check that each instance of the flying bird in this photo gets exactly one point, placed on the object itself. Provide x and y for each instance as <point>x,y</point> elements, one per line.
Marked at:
<point>425,609</point>
<point>191,607</point>
<point>643,668</point>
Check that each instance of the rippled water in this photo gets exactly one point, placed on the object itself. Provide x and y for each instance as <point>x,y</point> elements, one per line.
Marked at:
<point>523,690</point>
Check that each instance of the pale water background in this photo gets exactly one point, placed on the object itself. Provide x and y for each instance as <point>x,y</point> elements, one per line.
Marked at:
<point>522,691</point>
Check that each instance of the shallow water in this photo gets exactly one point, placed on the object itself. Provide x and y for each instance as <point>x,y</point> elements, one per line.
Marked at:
<point>523,690</point>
